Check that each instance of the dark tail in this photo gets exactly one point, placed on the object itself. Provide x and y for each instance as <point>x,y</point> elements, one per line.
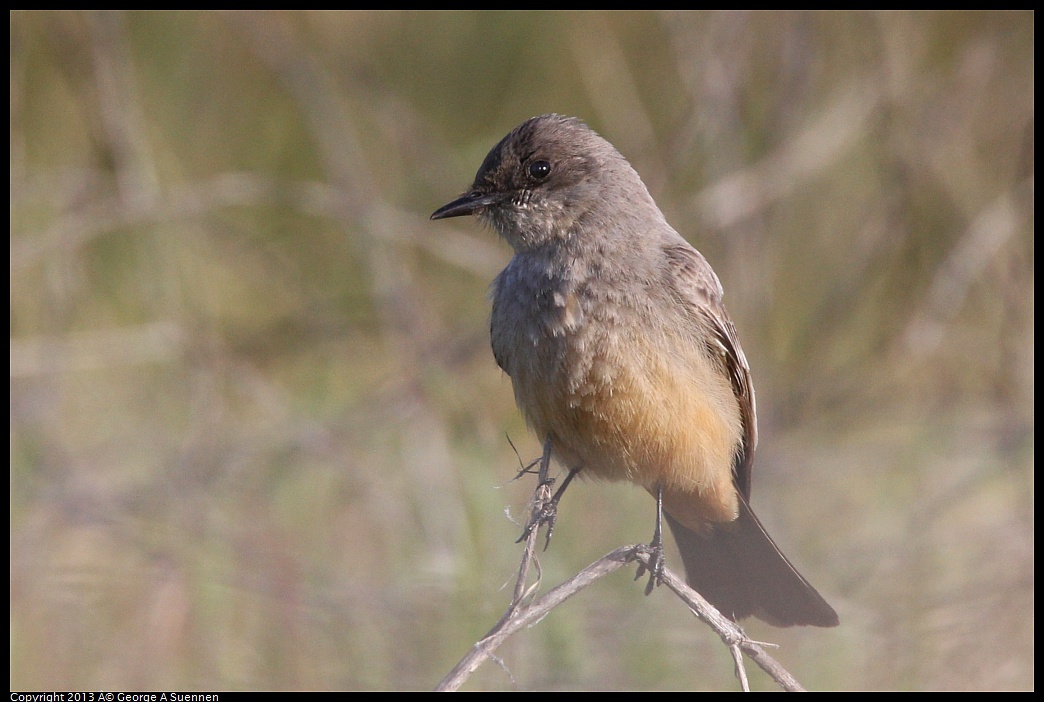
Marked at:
<point>739,569</point>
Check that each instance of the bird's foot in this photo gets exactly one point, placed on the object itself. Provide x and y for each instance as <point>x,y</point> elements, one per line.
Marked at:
<point>545,512</point>
<point>654,565</point>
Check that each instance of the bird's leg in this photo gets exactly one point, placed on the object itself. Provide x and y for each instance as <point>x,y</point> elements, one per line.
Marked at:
<point>546,511</point>
<point>656,558</point>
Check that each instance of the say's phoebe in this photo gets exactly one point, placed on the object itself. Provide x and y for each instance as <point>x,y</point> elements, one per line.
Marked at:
<point>621,353</point>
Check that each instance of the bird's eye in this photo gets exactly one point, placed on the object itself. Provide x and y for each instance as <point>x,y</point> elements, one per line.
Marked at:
<point>540,169</point>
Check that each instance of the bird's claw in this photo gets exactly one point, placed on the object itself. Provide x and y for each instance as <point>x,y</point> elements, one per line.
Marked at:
<point>546,513</point>
<point>655,566</point>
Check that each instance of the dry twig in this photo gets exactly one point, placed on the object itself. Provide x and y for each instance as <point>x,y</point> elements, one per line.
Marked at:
<point>523,613</point>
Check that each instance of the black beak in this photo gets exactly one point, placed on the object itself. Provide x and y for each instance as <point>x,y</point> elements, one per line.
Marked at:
<point>466,204</point>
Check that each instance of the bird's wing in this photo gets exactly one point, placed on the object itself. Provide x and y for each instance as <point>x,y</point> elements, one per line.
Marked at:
<point>697,288</point>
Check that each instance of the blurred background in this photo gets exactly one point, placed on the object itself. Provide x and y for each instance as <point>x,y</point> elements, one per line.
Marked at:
<point>258,439</point>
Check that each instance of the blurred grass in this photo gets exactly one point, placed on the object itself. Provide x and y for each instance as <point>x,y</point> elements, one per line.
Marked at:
<point>258,439</point>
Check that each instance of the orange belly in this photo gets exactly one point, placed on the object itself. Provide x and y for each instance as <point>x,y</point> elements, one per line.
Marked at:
<point>636,419</point>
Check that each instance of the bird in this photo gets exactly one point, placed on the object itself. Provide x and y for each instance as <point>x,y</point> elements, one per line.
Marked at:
<point>622,356</point>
